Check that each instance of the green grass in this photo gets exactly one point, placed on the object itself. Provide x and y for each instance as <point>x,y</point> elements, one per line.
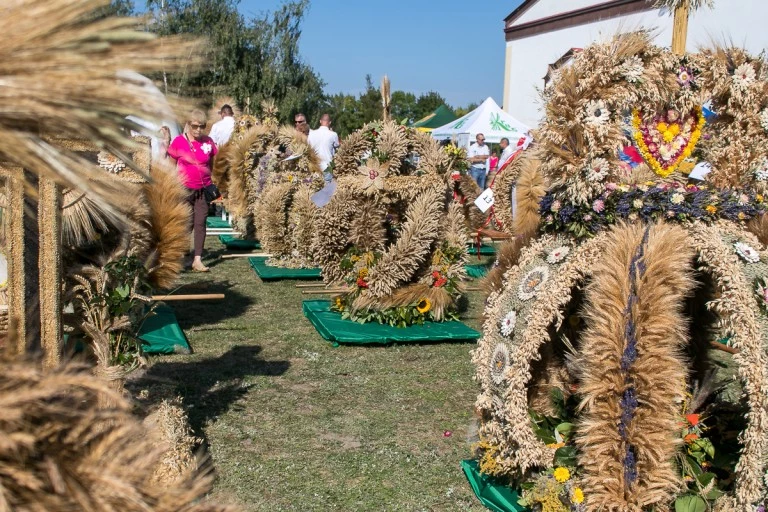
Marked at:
<point>292,423</point>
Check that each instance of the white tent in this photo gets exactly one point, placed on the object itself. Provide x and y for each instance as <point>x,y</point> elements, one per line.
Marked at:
<point>488,119</point>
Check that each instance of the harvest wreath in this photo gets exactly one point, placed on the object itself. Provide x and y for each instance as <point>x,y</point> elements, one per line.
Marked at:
<point>392,234</point>
<point>623,363</point>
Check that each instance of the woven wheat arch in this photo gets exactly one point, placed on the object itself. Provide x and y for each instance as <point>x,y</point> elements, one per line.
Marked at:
<point>392,231</point>
<point>633,279</point>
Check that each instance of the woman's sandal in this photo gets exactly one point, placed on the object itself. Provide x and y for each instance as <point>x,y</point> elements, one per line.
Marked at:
<point>201,268</point>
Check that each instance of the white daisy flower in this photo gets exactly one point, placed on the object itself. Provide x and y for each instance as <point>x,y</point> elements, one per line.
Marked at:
<point>207,148</point>
<point>632,69</point>
<point>598,170</point>
<point>533,282</point>
<point>597,113</point>
<point>508,323</point>
<point>746,252</point>
<point>744,75</point>
<point>637,203</point>
<point>761,174</point>
<point>677,198</point>
<point>499,363</point>
<point>558,254</point>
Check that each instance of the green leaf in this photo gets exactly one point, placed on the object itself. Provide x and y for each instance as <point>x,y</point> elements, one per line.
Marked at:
<point>705,478</point>
<point>566,429</point>
<point>690,503</point>
<point>566,456</point>
<point>706,446</point>
<point>123,290</point>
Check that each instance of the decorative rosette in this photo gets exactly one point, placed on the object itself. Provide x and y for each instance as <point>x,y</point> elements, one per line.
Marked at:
<point>533,282</point>
<point>558,254</point>
<point>746,252</point>
<point>499,363</point>
<point>508,323</point>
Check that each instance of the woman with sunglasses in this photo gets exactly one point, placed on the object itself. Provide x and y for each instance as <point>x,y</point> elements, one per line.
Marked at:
<point>194,152</point>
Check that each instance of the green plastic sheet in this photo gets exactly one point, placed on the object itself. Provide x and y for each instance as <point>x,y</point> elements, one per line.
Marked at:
<point>216,222</point>
<point>485,249</point>
<point>269,273</point>
<point>331,327</point>
<point>238,244</point>
<point>162,334</point>
<point>476,271</point>
<point>494,496</point>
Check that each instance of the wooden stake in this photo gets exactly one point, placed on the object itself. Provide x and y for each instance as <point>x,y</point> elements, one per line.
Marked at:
<point>680,28</point>
<point>249,255</point>
<point>323,292</point>
<point>724,348</point>
<point>311,285</point>
<point>49,218</point>
<point>200,296</point>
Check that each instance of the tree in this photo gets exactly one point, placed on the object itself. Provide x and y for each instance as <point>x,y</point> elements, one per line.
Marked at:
<point>462,111</point>
<point>256,60</point>
<point>427,103</point>
<point>404,106</point>
<point>370,102</point>
<point>345,113</point>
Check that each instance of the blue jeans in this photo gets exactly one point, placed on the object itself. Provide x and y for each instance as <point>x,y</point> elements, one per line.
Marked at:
<point>478,175</point>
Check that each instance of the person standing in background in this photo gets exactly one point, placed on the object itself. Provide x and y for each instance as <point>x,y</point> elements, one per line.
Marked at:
<point>324,141</point>
<point>194,152</point>
<point>300,123</point>
<point>478,156</point>
<point>222,130</point>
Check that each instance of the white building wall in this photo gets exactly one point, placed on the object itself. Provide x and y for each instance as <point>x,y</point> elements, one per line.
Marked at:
<point>546,8</point>
<point>740,22</point>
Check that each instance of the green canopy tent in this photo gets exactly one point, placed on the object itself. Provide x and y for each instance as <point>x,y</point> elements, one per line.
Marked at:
<point>441,116</point>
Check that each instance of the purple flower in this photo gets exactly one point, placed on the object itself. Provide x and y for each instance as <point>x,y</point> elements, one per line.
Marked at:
<point>598,206</point>
<point>587,217</point>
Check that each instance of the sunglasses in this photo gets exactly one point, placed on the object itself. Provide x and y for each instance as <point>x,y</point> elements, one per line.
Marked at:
<point>196,126</point>
<point>301,121</point>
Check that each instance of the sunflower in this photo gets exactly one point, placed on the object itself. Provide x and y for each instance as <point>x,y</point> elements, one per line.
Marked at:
<point>424,306</point>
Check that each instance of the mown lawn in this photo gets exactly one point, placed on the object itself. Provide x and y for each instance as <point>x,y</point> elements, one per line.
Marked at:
<point>292,423</point>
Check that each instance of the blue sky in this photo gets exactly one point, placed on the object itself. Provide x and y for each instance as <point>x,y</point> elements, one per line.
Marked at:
<point>454,47</point>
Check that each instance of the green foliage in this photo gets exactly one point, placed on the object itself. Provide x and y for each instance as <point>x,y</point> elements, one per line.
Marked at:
<point>690,503</point>
<point>252,60</point>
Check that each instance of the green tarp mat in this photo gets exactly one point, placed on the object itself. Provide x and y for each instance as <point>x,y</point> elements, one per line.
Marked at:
<point>476,271</point>
<point>331,327</point>
<point>494,496</point>
<point>238,244</point>
<point>162,334</point>
<point>216,222</point>
<point>485,249</point>
<point>268,273</point>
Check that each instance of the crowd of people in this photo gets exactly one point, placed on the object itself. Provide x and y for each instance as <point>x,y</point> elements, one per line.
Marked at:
<point>193,153</point>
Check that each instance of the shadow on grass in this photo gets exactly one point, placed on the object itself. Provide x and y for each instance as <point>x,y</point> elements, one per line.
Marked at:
<point>206,312</point>
<point>211,387</point>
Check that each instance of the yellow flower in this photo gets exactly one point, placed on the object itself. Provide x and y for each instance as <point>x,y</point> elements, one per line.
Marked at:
<point>339,304</point>
<point>578,496</point>
<point>362,273</point>
<point>662,127</point>
<point>759,198</point>
<point>555,446</point>
<point>668,135</point>
<point>562,475</point>
<point>711,209</point>
<point>424,306</point>
<point>354,258</point>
